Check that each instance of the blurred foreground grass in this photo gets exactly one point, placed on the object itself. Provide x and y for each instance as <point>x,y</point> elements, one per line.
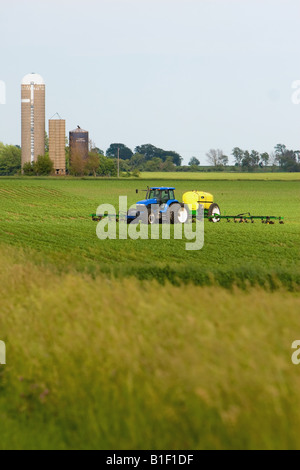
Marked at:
<point>126,364</point>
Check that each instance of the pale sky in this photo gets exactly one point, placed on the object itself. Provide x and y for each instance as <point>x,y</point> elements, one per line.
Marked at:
<point>183,75</point>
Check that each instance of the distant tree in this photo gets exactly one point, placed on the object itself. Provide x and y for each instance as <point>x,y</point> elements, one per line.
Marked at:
<point>217,158</point>
<point>107,167</point>
<point>154,165</point>
<point>194,162</point>
<point>136,173</point>
<point>43,165</point>
<point>238,155</point>
<point>137,161</point>
<point>125,165</point>
<point>288,159</point>
<point>247,161</point>
<point>124,152</point>
<point>97,150</point>
<point>280,149</point>
<point>168,165</point>
<point>10,159</point>
<point>46,142</point>
<point>254,156</point>
<point>297,154</point>
<point>273,161</point>
<point>77,165</point>
<point>150,151</point>
<point>264,158</point>
<point>224,160</point>
<point>92,164</point>
<point>29,169</point>
<point>177,159</point>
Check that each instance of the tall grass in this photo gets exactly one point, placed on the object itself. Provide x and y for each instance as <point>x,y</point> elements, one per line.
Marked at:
<point>126,364</point>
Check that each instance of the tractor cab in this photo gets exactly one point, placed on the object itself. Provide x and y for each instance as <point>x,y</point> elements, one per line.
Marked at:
<point>161,195</point>
<point>158,195</point>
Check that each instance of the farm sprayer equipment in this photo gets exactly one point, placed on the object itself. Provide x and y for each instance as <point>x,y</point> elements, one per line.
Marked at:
<point>160,204</point>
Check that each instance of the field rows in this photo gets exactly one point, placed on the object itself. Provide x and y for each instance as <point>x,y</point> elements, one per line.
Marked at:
<point>51,219</point>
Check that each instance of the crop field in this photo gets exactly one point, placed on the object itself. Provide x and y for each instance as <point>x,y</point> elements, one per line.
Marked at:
<point>231,176</point>
<point>141,344</point>
<point>51,218</point>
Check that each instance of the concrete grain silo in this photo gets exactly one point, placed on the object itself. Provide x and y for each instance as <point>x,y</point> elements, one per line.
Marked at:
<point>79,144</point>
<point>57,143</point>
<point>33,117</point>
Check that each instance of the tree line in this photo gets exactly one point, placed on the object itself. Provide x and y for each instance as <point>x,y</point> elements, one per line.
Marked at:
<point>286,160</point>
<point>119,158</point>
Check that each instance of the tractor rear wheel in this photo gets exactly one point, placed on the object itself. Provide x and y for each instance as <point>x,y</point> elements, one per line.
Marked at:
<point>214,210</point>
<point>178,214</point>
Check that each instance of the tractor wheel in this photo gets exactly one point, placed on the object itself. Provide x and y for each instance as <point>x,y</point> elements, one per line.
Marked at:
<point>152,217</point>
<point>214,210</point>
<point>178,214</point>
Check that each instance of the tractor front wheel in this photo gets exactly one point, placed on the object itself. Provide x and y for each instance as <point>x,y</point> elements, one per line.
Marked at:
<point>152,217</point>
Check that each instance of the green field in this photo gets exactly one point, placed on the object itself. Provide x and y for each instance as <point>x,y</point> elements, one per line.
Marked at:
<point>213,175</point>
<point>123,344</point>
<point>51,218</point>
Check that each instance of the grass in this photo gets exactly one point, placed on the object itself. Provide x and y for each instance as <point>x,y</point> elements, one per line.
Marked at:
<point>124,344</point>
<point>222,175</point>
<point>107,364</point>
<point>51,218</point>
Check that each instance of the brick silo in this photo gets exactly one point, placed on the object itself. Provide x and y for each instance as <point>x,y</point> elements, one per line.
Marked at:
<point>33,117</point>
<point>57,144</point>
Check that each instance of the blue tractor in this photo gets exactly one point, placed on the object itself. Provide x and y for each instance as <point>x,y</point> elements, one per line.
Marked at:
<point>160,203</point>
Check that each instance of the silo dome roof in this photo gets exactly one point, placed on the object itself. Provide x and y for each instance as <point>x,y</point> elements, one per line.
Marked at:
<point>33,77</point>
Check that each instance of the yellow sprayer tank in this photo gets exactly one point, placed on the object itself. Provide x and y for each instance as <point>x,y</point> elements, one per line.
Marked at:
<point>194,198</point>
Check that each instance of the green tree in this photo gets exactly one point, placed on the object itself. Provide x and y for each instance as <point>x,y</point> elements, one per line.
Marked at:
<point>46,142</point>
<point>97,150</point>
<point>150,151</point>
<point>168,165</point>
<point>247,161</point>
<point>280,150</point>
<point>92,164</point>
<point>29,169</point>
<point>43,165</point>
<point>10,159</point>
<point>264,157</point>
<point>238,155</point>
<point>77,165</point>
<point>194,162</point>
<point>154,164</point>
<point>137,161</point>
<point>287,159</point>
<point>254,155</point>
<point>124,152</point>
<point>108,166</point>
